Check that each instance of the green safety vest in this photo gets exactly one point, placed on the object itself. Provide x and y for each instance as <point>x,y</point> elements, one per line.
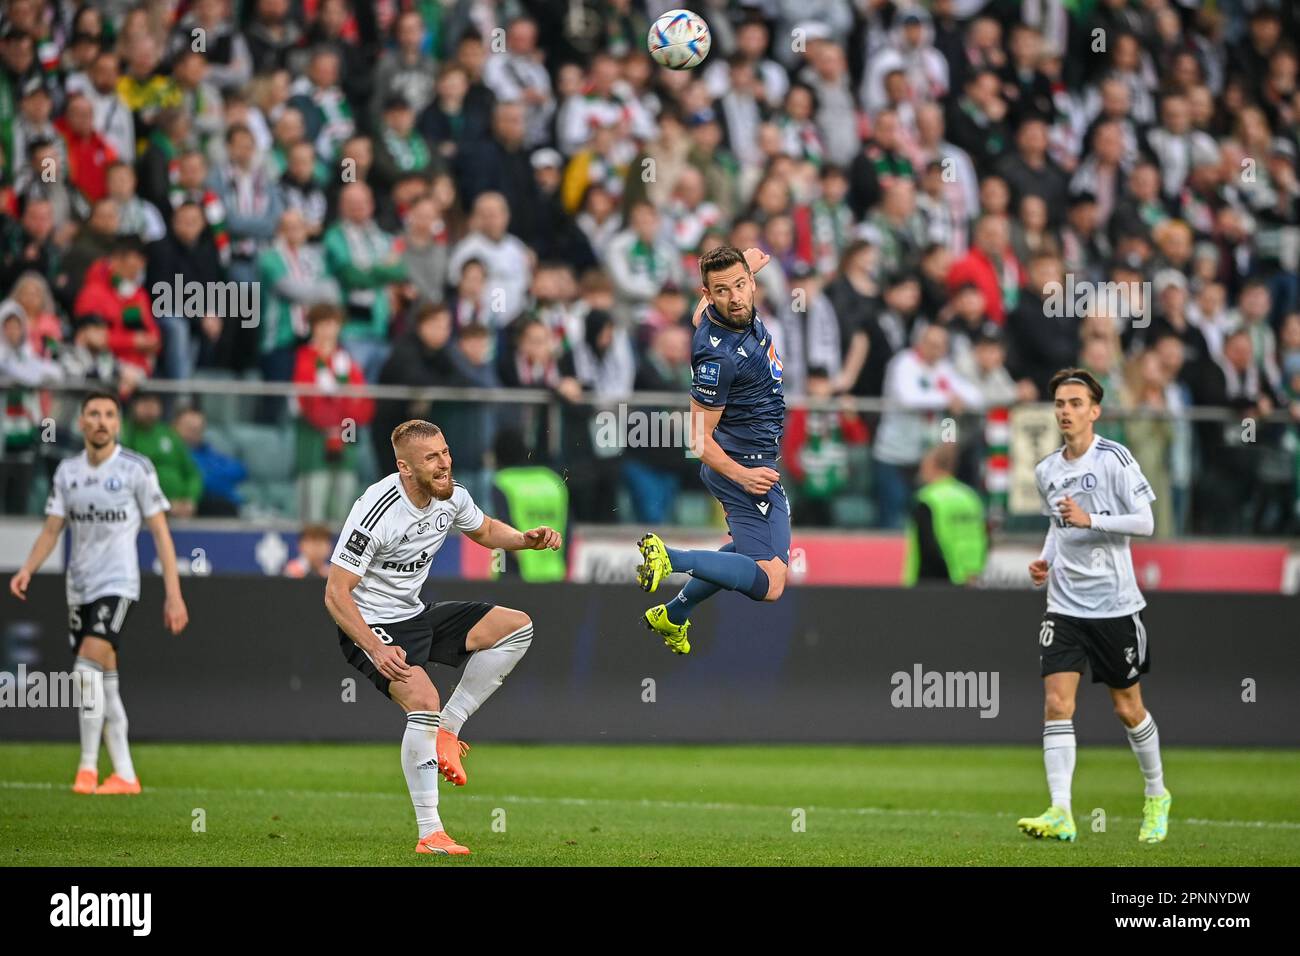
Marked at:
<point>958,518</point>
<point>536,496</point>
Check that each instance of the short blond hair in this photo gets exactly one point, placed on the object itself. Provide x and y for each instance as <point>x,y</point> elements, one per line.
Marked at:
<point>415,428</point>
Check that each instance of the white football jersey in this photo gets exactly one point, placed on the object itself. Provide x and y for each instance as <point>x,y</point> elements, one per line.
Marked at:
<point>103,507</point>
<point>390,543</point>
<point>1092,573</point>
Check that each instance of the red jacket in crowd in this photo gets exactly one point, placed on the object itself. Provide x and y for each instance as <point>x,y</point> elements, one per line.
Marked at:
<point>88,160</point>
<point>127,310</point>
<point>327,413</point>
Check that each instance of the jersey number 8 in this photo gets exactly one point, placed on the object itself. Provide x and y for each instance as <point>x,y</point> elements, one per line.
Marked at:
<point>382,635</point>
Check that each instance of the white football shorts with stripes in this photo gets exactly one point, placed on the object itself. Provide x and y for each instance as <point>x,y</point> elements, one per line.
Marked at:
<point>103,617</point>
<point>1115,647</point>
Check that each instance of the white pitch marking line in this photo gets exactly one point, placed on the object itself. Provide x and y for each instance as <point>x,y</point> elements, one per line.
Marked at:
<point>648,804</point>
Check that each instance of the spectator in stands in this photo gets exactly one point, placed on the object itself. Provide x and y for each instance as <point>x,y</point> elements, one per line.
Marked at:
<point>114,288</point>
<point>24,405</point>
<point>453,117</point>
<point>31,295</point>
<point>89,153</point>
<point>251,199</point>
<point>407,70</point>
<point>324,107</point>
<point>500,164</point>
<point>992,266</point>
<point>364,260</point>
<point>923,384</point>
<point>507,261</point>
<point>399,149</point>
<point>520,75</point>
<point>328,424</point>
<point>136,216</point>
<point>315,544</point>
<point>815,449</point>
<point>186,254</point>
<point>144,431</point>
<point>300,187</point>
<point>293,278</point>
<point>640,261</point>
<point>220,473</point>
<point>422,357</point>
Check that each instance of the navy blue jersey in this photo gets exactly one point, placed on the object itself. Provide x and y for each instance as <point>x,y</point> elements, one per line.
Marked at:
<point>739,369</point>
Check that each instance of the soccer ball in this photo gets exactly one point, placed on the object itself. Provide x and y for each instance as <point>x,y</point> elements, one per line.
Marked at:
<point>679,40</point>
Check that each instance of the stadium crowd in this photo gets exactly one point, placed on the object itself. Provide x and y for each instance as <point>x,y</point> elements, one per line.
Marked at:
<point>511,194</point>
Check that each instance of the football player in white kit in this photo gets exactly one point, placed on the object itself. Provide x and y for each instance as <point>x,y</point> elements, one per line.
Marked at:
<point>103,495</point>
<point>379,567</point>
<point>1097,497</point>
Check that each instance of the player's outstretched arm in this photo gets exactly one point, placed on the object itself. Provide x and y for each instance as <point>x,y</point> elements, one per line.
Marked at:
<point>41,549</point>
<point>175,614</point>
<point>388,659</point>
<point>494,533</point>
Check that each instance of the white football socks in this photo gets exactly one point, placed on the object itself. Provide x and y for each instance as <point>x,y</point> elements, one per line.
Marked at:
<point>484,672</point>
<point>91,715</point>
<point>420,764</point>
<point>115,728</point>
<point>1058,758</point>
<point>1145,741</point>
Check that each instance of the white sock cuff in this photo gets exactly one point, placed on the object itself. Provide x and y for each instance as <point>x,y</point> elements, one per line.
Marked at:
<point>1057,734</point>
<point>1143,731</point>
<point>523,635</point>
<point>423,719</point>
<point>86,664</point>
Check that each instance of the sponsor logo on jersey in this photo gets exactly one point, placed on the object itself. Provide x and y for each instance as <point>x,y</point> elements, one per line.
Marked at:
<point>344,556</point>
<point>1088,482</point>
<point>357,542</point>
<point>707,373</point>
<point>774,362</point>
<point>422,527</point>
<point>92,515</point>
<point>763,506</point>
<point>410,566</point>
<point>741,350</point>
<point>714,341</point>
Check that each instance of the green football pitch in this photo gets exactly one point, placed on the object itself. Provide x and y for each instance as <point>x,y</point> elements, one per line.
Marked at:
<point>346,804</point>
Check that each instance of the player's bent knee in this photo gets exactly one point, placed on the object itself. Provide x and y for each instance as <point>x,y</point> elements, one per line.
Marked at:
<point>1057,707</point>
<point>776,571</point>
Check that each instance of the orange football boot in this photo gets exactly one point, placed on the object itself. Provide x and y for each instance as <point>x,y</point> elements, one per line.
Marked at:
<point>116,785</point>
<point>439,842</point>
<point>450,750</point>
<point>86,781</point>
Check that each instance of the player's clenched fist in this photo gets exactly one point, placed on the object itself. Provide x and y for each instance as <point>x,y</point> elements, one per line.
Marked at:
<point>1073,515</point>
<point>18,584</point>
<point>756,258</point>
<point>539,539</point>
<point>759,481</point>
<point>1038,571</point>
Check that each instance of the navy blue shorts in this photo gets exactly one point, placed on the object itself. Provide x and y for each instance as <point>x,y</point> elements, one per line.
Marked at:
<point>760,525</point>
